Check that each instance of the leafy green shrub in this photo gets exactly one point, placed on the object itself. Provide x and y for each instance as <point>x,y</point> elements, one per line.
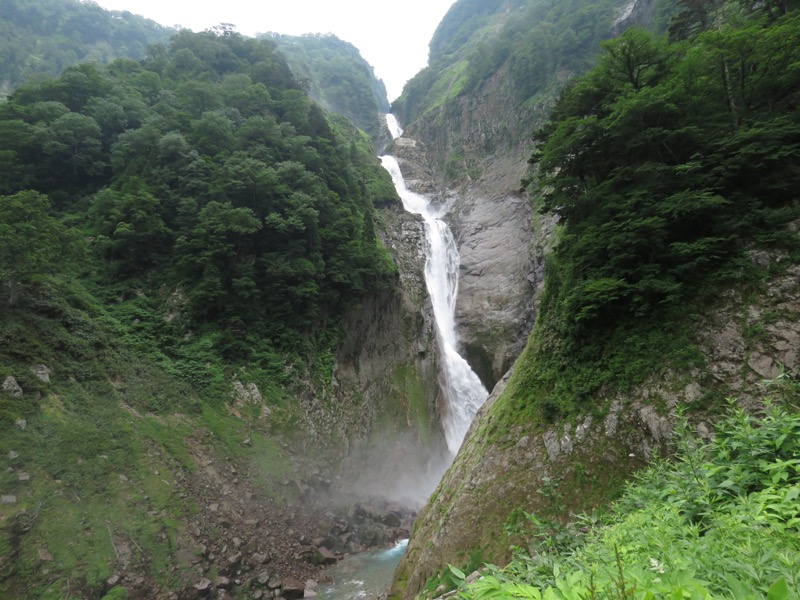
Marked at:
<point>722,520</point>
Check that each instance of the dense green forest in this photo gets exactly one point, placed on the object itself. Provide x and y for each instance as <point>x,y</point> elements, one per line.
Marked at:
<point>337,77</point>
<point>205,172</point>
<point>38,37</point>
<point>666,164</point>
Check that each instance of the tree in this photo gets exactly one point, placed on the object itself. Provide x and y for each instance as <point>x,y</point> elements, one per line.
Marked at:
<point>33,242</point>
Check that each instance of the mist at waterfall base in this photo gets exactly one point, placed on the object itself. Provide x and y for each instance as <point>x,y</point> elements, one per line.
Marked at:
<point>396,466</point>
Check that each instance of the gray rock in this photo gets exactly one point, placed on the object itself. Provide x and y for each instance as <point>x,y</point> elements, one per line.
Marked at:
<point>292,589</point>
<point>204,585</point>
<point>255,393</point>
<point>13,455</point>
<point>42,373</point>
<point>223,583</point>
<point>235,559</point>
<point>44,555</point>
<point>323,556</point>
<point>8,499</point>
<point>11,387</point>
<point>391,520</point>
<point>21,424</point>
<point>23,476</point>
<point>763,365</point>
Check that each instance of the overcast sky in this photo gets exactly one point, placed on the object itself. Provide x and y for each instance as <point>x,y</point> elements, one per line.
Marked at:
<point>392,35</point>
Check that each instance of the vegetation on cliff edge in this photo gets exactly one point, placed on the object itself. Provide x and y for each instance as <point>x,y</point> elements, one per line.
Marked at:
<point>721,520</point>
<point>666,164</point>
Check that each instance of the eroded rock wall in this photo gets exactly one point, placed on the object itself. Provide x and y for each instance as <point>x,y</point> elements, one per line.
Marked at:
<point>509,463</point>
<point>384,399</point>
<point>502,244</point>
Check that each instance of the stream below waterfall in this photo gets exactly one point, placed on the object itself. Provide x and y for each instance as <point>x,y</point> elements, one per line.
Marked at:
<point>363,576</point>
<point>368,576</point>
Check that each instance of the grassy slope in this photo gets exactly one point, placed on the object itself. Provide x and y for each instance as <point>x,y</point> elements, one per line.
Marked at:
<point>100,482</point>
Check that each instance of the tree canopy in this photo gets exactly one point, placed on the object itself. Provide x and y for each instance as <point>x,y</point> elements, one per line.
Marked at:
<point>337,77</point>
<point>205,166</point>
<point>44,38</point>
<point>666,160</point>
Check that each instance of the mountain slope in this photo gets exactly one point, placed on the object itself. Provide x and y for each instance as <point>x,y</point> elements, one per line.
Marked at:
<point>670,257</point>
<point>47,37</point>
<point>338,78</point>
<point>495,70</point>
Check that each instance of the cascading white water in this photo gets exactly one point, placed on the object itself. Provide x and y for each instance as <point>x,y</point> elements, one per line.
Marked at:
<point>394,127</point>
<point>463,389</point>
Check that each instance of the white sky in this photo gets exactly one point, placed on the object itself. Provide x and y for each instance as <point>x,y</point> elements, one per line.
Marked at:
<point>392,36</point>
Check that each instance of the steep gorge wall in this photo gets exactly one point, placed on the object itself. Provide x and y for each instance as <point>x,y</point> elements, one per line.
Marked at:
<point>383,404</point>
<point>509,462</point>
<point>472,155</point>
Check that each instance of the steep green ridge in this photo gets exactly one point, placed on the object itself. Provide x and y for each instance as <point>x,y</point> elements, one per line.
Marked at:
<point>672,169</point>
<point>664,165</point>
<point>337,77</point>
<point>182,237</point>
<point>47,37</point>
<point>530,47</point>
<point>206,168</point>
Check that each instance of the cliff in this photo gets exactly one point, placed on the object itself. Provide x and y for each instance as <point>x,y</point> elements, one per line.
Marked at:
<point>558,437</point>
<point>511,462</point>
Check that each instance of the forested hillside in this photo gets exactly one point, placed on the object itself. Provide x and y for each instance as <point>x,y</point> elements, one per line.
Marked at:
<point>666,164</point>
<point>336,76</point>
<point>181,237</point>
<point>204,167</point>
<point>46,37</point>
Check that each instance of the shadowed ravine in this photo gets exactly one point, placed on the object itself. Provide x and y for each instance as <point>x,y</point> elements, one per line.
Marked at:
<point>368,575</point>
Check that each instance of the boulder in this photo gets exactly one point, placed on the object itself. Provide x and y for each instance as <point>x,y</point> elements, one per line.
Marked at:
<point>292,589</point>
<point>11,387</point>
<point>323,556</point>
<point>391,519</point>
<point>44,555</point>
<point>42,373</point>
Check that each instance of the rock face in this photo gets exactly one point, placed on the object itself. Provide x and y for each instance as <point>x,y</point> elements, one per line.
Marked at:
<point>385,388</point>
<point>502,258</point>
<point>508,463</point>
<point>11,387</point>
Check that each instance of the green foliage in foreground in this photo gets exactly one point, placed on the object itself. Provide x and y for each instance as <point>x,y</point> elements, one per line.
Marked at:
<point>722,520</point>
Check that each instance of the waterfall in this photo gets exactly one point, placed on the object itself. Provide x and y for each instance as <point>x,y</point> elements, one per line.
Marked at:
<point>463,390</point>
<point>394,127</point>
